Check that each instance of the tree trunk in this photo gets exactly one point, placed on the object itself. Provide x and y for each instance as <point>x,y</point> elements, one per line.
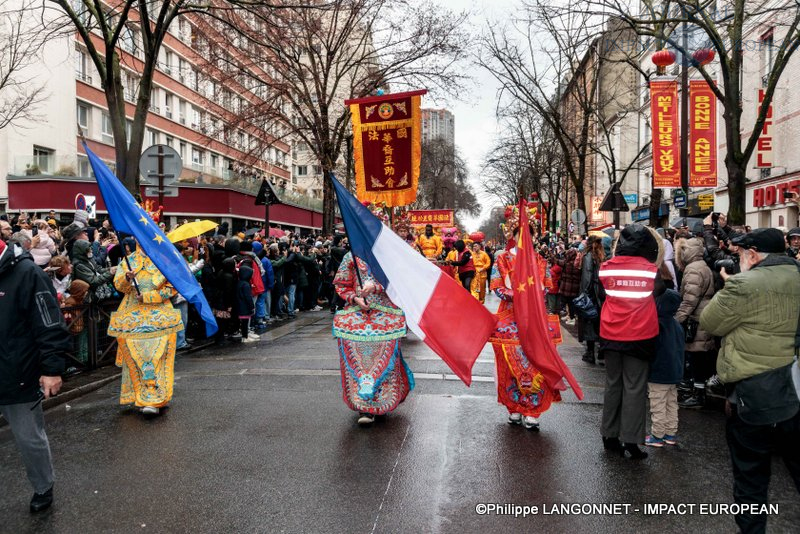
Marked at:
<point>736,191</point>
<point>655,206</point>
<point>328,203</point>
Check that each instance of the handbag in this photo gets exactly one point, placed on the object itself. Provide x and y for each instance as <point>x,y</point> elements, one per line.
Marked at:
<point>690,327</point>
<point>768,398</point>
<point>585,307</point>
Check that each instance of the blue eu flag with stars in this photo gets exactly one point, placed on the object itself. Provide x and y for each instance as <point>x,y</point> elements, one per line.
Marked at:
<point>129,217</point>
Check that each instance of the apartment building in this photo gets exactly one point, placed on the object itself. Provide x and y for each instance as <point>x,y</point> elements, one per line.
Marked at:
<point>192,110</point>
<point>438,124</point>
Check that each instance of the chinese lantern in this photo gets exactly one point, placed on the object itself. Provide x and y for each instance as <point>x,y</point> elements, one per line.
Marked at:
<point>662,59</point>
<point>704,56</point>
<point>477,237</point>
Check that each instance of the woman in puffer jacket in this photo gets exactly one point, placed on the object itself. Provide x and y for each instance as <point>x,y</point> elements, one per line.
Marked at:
<point>697,289</point>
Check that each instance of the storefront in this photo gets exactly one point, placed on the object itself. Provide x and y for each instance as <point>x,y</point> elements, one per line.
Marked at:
<point>771,203</point>
<point>641,214</point>
<point>215,202</point>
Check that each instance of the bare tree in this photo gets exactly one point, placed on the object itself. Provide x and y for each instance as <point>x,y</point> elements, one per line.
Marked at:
<point>725,27</point>
<point>20,91</point>
<point>306,62</point>
<point>526,160</point>
<point>444,180</point>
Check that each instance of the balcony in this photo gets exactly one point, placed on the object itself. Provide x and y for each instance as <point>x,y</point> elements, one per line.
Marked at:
<point>82,76</point>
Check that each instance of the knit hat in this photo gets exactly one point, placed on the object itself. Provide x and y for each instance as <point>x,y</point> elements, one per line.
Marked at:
<point>82,217</point>
<point>257,247</point>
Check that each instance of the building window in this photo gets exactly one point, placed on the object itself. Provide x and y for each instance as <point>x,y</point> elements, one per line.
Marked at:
<point>767,56</point>
<point>182,150</point>
<point>169,141</point>
<point>214,162</point>
<point>302,170</point>
<point>168,105</point>
<point>197,158</point>
<point>43,159</point>
<point>106,129</point>
<point>82,67</point>
<point>169,61</point>
<point>84,169</point>
<point>317,169</point>
<point>83,116</point>
<point>181,111</point>
<point>152,137</point>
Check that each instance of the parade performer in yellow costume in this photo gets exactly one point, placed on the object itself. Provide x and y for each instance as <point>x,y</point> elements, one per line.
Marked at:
<point>482,263</point>
<point>430,244</point>
<point>146,326</point>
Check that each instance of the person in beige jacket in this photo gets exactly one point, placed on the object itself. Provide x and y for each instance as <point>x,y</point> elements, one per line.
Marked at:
<point>697,289</point>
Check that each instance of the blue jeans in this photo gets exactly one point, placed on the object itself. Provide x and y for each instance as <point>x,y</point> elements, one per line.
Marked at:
<point>262,306</point>
<point>290,291</point>
<point>183,307</point>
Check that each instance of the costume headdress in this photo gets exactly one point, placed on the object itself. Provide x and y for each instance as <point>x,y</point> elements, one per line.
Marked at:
<point>378,211</point>
<point>512,219</point>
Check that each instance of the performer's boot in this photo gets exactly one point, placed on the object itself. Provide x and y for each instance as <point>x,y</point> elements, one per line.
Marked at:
<point>514,418</point>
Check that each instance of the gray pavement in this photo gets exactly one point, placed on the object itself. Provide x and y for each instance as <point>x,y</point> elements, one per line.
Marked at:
<point>259,440</point>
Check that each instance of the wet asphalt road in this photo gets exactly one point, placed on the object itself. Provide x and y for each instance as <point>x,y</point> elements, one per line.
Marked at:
<point>259,440</point>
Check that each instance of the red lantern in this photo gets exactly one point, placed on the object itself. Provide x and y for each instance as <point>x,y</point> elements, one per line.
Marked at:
<point>704,56</point>
<point>662,59</point>
<point>477,237</point>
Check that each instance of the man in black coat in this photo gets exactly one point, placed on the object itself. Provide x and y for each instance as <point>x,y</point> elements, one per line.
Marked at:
<point>35,339</point>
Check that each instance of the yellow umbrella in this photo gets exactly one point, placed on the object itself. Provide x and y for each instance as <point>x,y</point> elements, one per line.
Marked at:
<point>189,230</point>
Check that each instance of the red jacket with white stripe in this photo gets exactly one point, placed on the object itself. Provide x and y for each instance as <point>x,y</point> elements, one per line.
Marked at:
<point>629,312</point>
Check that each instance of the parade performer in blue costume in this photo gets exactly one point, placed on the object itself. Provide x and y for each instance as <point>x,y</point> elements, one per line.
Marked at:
<point>375,378</point>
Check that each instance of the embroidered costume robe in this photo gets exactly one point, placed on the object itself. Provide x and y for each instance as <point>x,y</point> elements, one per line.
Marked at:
<point>375,378</point>
<point>520,386</point>
<point>146,332</point>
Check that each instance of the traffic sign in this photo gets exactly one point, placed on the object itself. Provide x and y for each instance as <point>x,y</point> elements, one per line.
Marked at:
<point>578,217</point>
<point>679,201</point>
<point>167,191</point>
<point>632,198</point>
<point>172,165</point>
<point>571,227</point>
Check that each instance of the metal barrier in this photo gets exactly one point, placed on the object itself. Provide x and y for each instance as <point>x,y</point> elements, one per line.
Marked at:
<point>92,347</point>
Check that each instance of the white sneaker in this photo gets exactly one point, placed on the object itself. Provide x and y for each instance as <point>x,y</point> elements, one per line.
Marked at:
<point>531,423</point>
<point>150,410</point>
<point>254,337</point>
<point>316,308</point>
<point>569,322</point>
<point>248,340</point>
<point>366,419</point>
<point>514,418</point>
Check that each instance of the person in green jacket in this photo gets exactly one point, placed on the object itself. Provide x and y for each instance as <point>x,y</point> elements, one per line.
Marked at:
<point>83,268</point>
<point>756,314</point>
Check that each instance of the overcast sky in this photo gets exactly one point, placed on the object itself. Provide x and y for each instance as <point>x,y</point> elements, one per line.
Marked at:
<point>476,123</point>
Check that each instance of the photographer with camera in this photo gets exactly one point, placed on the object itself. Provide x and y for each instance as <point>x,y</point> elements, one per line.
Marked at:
<point>722,255</point>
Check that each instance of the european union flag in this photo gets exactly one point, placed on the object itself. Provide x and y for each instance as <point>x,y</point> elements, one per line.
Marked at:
<point>129,217</point>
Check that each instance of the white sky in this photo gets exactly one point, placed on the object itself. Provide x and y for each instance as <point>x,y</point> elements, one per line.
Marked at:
<point>474,111</point>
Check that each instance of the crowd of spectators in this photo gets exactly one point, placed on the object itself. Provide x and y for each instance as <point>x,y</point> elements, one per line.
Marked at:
<point>288,275</point>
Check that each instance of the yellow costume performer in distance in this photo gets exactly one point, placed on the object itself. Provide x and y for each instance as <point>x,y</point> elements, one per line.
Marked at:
<point>482,262</point>
<point>145,327</point>
<point>431,247</point>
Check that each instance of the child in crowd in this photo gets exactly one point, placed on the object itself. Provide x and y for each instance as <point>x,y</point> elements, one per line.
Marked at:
<point>78,289</point>
<point>666,373</point>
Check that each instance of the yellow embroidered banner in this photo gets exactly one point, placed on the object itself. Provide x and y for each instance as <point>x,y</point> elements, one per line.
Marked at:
<point>387,145</point>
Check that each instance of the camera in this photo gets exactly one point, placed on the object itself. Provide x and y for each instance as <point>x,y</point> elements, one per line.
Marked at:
<point>731,265</point>
<point>715,220</point>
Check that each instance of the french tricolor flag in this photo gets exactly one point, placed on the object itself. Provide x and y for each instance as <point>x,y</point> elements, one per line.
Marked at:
<point>438,310</point>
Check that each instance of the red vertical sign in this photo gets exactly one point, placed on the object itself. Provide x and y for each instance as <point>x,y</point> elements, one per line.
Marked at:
<point>764,144</point>
<point>702,135</point>
<point>666,142</point>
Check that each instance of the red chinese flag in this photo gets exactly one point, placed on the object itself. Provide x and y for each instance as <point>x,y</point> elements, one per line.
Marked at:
<point>531,316</point>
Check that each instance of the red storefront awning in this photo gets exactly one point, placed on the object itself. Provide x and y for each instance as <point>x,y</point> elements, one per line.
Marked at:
<point>40,194</point>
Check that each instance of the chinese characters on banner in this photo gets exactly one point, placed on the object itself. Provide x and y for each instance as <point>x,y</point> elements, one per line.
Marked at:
<point>387,147</point>
<point>666,144</point>
<point>702,135</point>
<point>436,218</point>
<point>764,144</point>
